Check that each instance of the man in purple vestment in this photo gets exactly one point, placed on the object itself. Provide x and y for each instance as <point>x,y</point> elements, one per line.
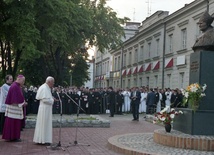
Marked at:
<point>14,111</point>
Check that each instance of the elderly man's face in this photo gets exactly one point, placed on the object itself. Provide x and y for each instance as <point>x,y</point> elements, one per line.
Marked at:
<point>202,25</point>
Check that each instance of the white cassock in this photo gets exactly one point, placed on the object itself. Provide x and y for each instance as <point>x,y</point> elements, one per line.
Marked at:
<point>168,98</point>
<point>127,101</point>
<point>158,109</point>
<point>43,130</point>
<point>142,107</point>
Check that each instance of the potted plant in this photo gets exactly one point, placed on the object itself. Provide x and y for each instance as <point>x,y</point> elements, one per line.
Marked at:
<point>166,116</point>
<point>193,95</point>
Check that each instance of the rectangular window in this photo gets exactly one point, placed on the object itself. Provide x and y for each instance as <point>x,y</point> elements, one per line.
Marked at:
<point>156,81</point>
<point>115,64</point>
<point>149,51</point>
<point>184,39</point>
<point>141,53</point>
<point>124,60</point>
<point>107,68</point>
<point>130,58</point>
<point>135,82</point>
<point>136,56</point>
<point>181,79</point>
<point>168,81</point>
<point>97,70</point>
<point>123,84</point>
<point>129,83</point>
<point>140,82</point>
<point>147,81</point>
<point>119,63</point>
<point>117,84</point>
<point>157,47</point>
<point>170,49</point>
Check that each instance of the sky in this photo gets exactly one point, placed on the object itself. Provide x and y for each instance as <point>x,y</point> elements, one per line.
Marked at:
<point>138,10</point>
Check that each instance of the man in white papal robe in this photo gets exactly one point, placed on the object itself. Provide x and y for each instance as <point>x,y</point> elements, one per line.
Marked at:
<point>43,130</point>
<point>127,101</point>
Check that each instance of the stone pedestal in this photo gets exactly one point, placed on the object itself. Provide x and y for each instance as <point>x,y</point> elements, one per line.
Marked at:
<point>200,122</point>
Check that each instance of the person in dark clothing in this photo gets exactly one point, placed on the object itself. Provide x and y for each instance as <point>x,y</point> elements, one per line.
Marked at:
<point>91,101</point>
<point>76,99</point>
<point>119,102</point>
<point>174,99</point>
<point>97,98</point>
<point>150,101</point>
<point>135,101</point>
<point>111,101</point>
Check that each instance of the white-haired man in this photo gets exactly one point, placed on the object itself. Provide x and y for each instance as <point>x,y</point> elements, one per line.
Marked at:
<point>43,130</point>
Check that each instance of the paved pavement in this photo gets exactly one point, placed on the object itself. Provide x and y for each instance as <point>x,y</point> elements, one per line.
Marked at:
<point>97,138</point>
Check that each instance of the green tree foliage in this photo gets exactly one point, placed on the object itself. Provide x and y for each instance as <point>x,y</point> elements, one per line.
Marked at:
<point>43,34</point>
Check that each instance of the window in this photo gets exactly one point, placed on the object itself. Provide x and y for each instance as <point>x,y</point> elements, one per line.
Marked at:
<point>170,49</point>
<point>141,53</point>
<point>130,58</point>
<point>140,82</point>
<point>183,39</point>
<point>157,47</point>
<point>168,80</point>
<point>181,79</point>
<point>115,64</point>
<point>123,84</point>
<point>129,83</point>
<point>147,81</point>
<point>119,63</point>
<point>97,69</point>
<point>107,68</point>
<point>117,83</point>
<point>124,60</point>
<point>156,81</point>
<point>136,56</point>
<point>135,82</point>
<point>103,69</point>
<point>149,50</point>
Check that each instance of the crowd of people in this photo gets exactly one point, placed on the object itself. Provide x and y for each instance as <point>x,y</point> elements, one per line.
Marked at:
<point>17,101</point>
<point>101,100</point>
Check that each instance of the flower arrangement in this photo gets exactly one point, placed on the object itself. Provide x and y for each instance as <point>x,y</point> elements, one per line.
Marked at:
<point>166,115</point>
<point>193,94</point>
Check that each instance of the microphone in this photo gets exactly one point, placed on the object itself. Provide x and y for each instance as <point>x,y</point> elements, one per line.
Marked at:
<point>74,101</point>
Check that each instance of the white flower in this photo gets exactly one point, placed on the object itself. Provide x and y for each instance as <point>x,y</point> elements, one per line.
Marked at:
<point>193,89</point>
<point>163,118</point>
<point>164,110</point>
<point>180,112</point>
<point>172,109</point>
<point>203,94</point>
<point>186,94</point>
<point>172,116</point>
<point>204,87</point>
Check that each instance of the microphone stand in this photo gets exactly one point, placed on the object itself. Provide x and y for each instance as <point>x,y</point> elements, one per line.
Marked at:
<point>77,125</point>
<point>58,145</point>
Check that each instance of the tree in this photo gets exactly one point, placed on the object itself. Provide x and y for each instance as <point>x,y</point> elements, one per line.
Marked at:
<point>51,31</point>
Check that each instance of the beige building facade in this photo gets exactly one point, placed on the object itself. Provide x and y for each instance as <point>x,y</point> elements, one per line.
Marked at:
<point>158,54</point>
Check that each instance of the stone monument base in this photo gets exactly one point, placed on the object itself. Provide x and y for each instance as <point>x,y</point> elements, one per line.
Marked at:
<point>200,122</point>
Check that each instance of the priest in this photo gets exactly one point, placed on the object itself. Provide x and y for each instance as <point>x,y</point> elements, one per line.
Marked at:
<point>14,111</point>
<point>43,130</point>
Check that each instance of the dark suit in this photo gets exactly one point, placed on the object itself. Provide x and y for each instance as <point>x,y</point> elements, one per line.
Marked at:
<point>150,102</point>
<point>135,101</point>
<point>112,98</point>
<point>120,101</point>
